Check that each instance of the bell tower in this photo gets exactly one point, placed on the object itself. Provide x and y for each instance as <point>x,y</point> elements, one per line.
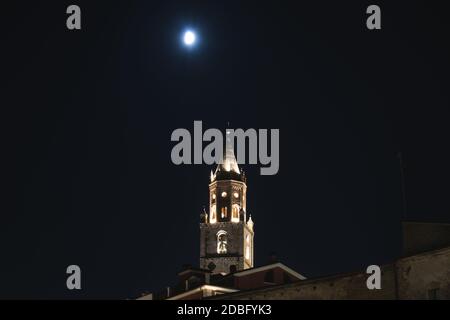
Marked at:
<point>226,232</point>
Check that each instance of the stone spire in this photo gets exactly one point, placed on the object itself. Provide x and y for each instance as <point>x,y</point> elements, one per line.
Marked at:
<point>229,162</point>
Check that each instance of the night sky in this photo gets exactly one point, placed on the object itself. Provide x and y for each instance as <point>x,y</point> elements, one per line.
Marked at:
<point>87,117</point>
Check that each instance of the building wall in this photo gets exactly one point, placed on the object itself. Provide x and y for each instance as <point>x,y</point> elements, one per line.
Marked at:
<point>258,279</point>
<point>420,274</point>
<point>351,286</point>
<point>409,278</point>
<point>235,250</point>
<point>195,296</point>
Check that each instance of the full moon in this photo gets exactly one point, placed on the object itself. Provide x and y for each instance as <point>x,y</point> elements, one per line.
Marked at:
<point>189,38</point>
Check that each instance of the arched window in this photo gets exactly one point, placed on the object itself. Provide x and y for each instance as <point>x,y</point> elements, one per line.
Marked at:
<point>235,213</point>
<point>213,215</point>
<point>224,212</point>
<point>222,242</point>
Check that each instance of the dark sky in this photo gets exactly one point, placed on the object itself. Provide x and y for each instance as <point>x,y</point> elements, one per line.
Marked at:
<point>87,119</point>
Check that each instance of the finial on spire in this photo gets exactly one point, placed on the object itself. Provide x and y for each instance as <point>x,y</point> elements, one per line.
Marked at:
<point>250,222</point>
<point>204,215</point>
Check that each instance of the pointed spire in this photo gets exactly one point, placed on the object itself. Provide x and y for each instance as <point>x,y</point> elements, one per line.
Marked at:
<point>228,169</point>
<point>229,162</point>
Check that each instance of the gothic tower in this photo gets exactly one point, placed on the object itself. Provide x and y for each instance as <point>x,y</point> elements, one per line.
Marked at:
<point>226,235</point>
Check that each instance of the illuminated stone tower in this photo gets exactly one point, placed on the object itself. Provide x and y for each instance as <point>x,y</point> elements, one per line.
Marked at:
<point>226,233</point>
